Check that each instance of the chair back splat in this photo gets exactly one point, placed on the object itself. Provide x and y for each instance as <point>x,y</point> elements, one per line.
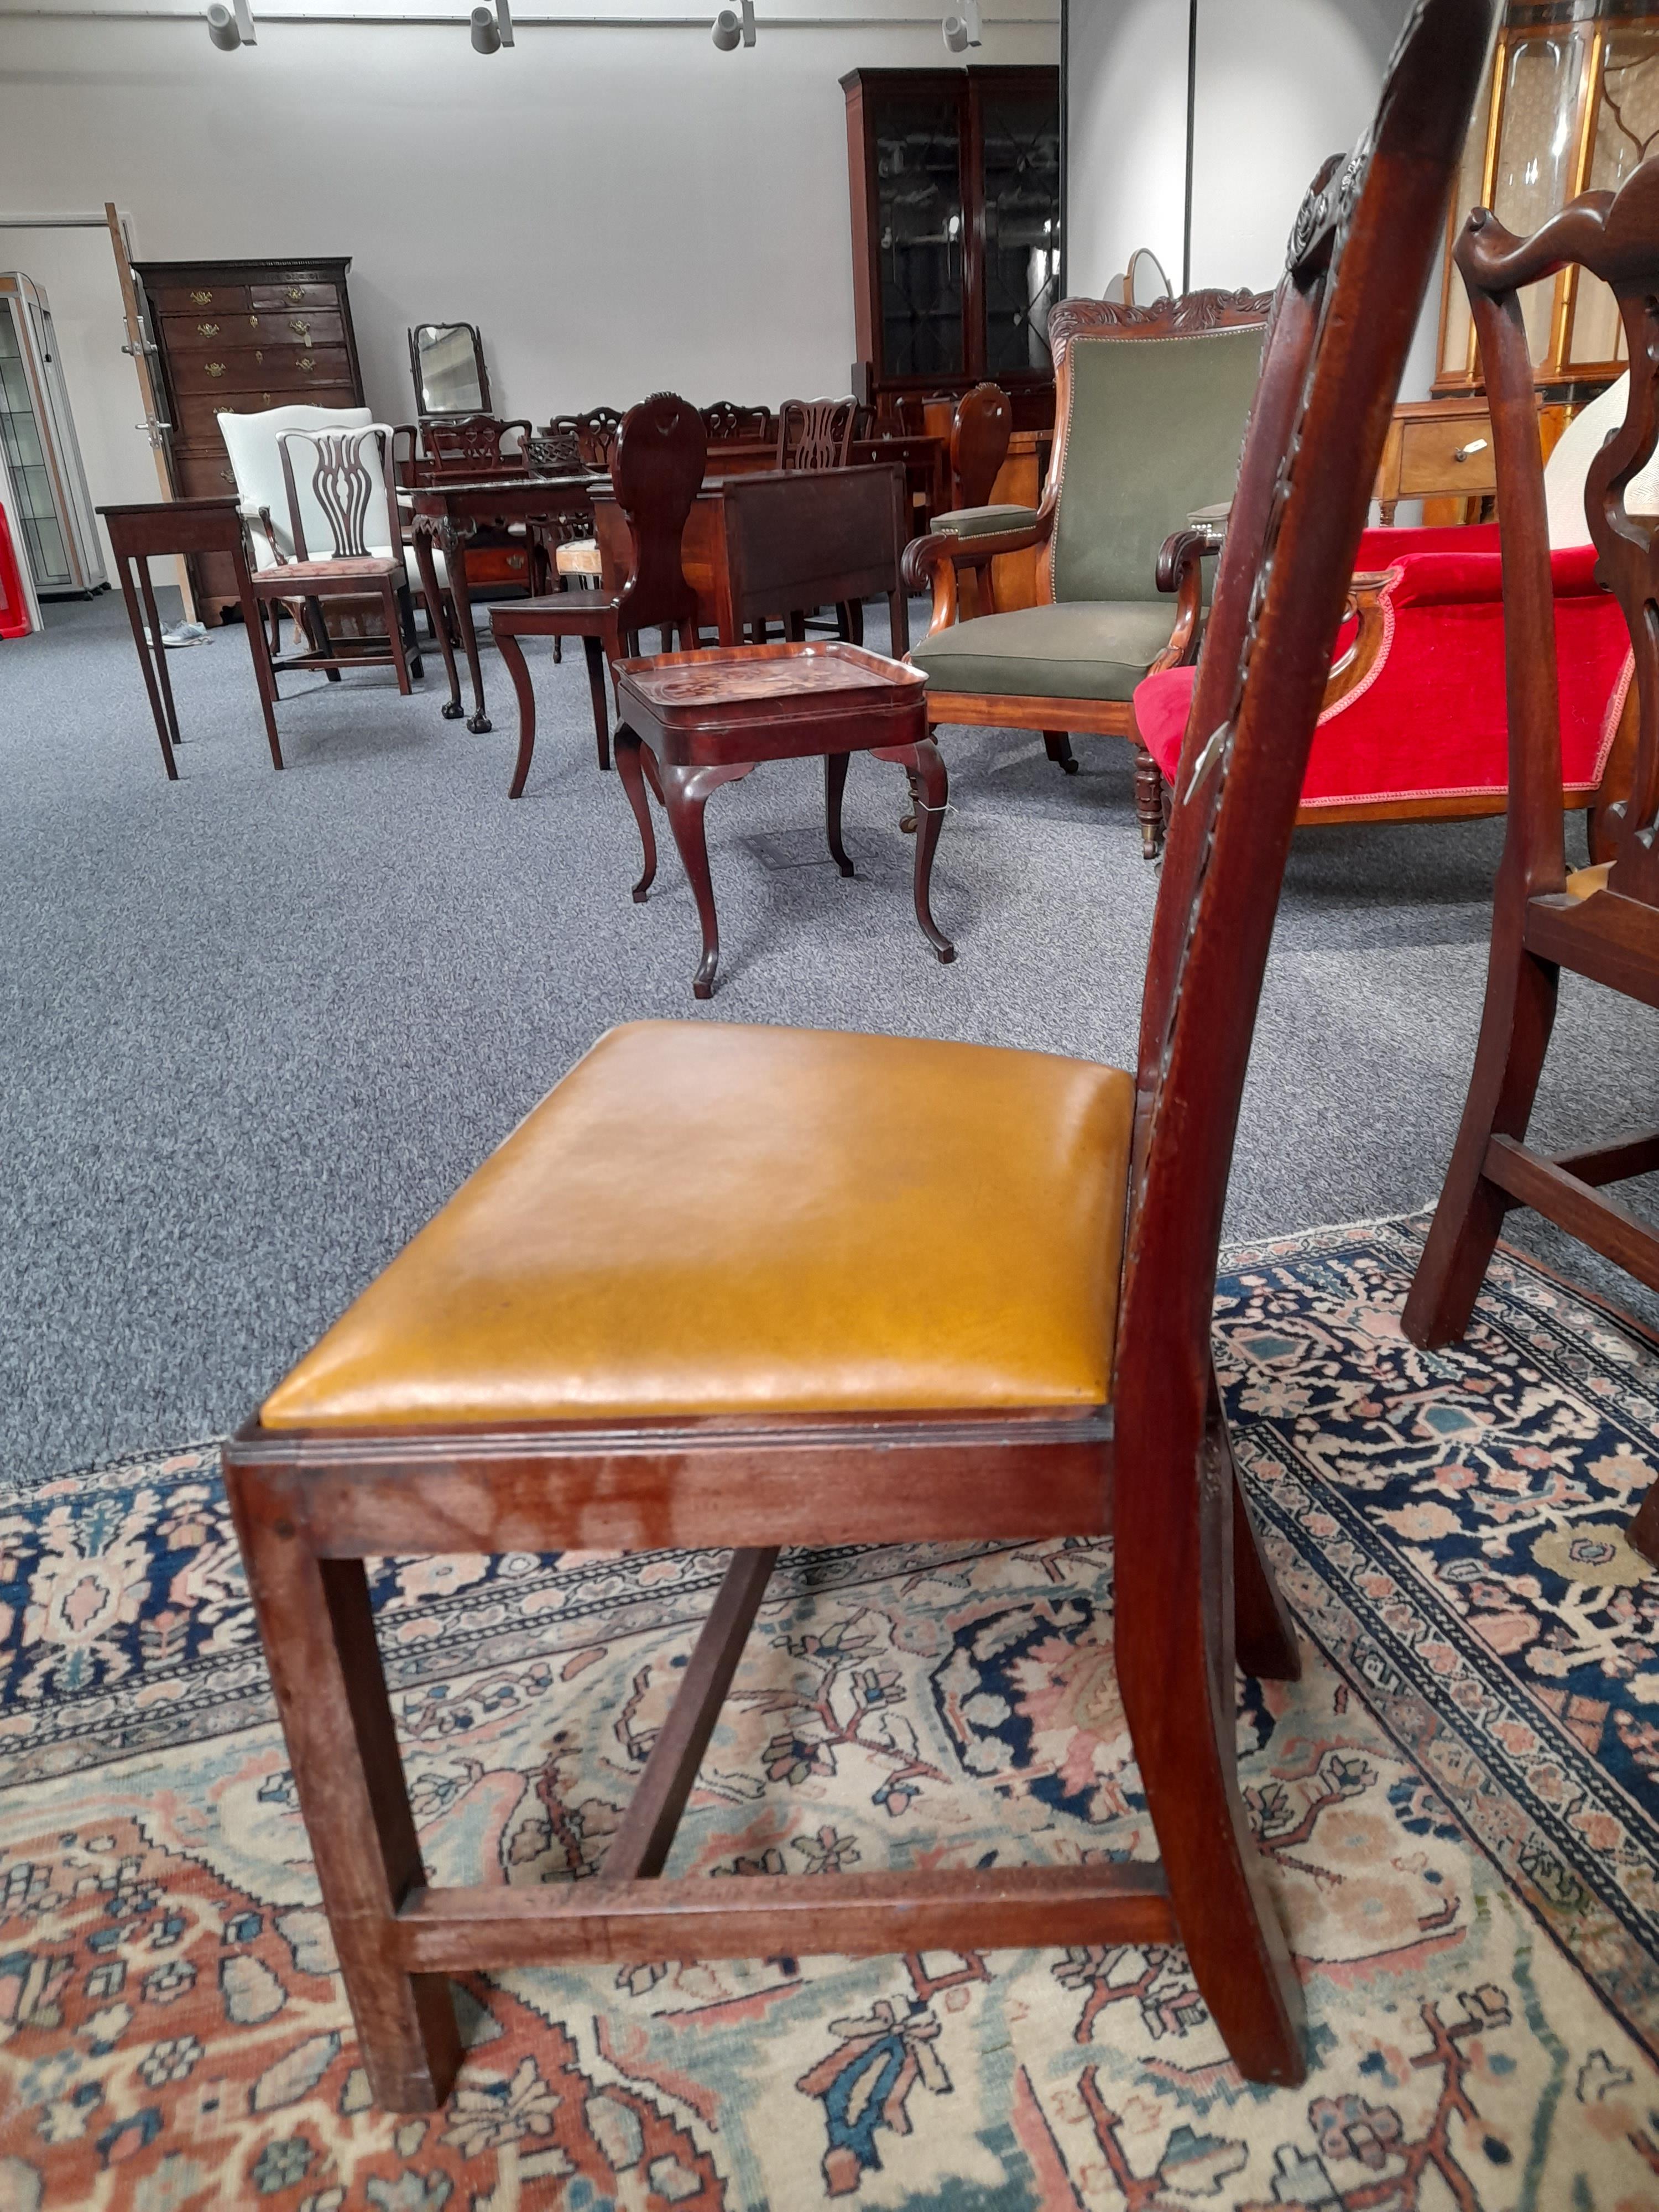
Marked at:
<point>1342,320</point>
<point>657,468</point>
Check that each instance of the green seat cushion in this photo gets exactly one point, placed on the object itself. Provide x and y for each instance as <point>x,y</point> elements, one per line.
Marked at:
<point>1091,649</point>
<point>984,521</point>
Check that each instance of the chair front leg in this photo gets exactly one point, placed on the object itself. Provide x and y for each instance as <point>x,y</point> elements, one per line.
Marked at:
<point>319,1634</point>
<point>629,770</point>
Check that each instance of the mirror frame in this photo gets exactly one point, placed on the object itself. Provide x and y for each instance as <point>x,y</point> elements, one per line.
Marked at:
<point>420,408</point>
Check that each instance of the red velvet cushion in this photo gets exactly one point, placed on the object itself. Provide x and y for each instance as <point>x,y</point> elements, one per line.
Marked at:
<point>1429,719</point>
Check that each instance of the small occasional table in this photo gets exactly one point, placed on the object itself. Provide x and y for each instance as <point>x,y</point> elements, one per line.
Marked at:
<point>183,526</point>
<point>692,721</point>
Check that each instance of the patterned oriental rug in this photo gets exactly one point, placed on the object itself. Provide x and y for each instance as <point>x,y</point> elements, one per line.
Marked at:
<point>1459,1802</point>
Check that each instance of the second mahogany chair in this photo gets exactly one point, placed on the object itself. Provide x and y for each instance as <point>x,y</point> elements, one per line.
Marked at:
<point>657,467</point>
<point>741,1286</point>
<point>1600,921</point>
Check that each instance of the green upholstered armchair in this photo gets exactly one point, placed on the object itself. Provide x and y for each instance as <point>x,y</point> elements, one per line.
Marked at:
<point>1151,406</point>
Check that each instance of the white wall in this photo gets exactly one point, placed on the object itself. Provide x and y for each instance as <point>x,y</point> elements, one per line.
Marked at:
<point>1280,85</point>
<point>619,211</point>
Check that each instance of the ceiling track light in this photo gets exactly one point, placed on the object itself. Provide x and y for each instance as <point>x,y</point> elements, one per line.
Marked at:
<point>963,31</point>
<point>231,27</point>
<point>735,27</point>
<point>492,28</point>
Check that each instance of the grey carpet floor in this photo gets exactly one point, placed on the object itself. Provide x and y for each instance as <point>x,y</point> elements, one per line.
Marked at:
<point>254,1028</point>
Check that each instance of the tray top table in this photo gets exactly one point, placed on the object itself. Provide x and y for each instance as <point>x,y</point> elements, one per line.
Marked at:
<point>692,721</point>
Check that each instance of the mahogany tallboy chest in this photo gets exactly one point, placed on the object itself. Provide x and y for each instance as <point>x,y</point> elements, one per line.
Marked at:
<point>242,336</point>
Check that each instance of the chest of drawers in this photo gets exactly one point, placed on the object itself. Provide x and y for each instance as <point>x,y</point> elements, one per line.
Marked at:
<point>242,336</point>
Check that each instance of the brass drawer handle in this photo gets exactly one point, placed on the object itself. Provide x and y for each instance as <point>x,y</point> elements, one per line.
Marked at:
<point>201,299</point>
<point>298,324</point>
<point>216,368</point>
<point>306,362</point>
<point>206,329</point>
<point>296,293</point>
<point>1467,452</point>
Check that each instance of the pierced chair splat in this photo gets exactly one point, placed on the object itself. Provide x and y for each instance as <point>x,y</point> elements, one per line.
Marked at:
<point>717,1291</point>
<point>1600,921</point>
<point>349,495</point>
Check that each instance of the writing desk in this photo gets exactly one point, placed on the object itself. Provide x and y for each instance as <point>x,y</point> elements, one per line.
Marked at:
<point>183,526</point>
<point>765,545</point>
<point>449,513</point>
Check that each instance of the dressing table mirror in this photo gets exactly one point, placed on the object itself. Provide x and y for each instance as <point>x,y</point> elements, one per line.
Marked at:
<point>447,363</point>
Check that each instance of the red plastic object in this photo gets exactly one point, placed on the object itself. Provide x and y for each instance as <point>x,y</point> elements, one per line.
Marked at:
<point>14,607</point>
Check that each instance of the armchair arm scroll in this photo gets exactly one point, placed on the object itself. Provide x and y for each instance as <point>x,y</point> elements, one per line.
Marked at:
<point>932,563</point>
<point>1179,570</point>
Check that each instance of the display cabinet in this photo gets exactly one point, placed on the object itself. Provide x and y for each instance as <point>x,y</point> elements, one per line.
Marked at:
<point>1571,105</point>
<point>955,187</point>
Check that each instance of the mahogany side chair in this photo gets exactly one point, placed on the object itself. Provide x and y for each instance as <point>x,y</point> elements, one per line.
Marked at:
<point>657,468</point>
<point>350,492</point>
<point>1602,921</point>
<point>736,1286</point>
<point>816,434</point>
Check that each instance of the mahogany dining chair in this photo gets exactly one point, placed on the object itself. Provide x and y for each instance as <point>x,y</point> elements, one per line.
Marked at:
<point>737,1285</point>
<point>1602,921</point>
<point>657,466</point>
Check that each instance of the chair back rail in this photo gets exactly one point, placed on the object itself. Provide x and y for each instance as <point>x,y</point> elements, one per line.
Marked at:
<point>595,434</point>
<point>1343,319</point>
<point>816,434</point>
<point>473,445</point>
<point>344,488</point>
<point>1615,236</point>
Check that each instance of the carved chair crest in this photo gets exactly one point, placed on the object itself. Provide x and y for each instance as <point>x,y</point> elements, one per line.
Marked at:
<point>1187,315</point>
<point>726,423</point>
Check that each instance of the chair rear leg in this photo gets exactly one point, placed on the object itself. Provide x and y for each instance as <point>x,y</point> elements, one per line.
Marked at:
<point>1058,747</point>
<point>1175,1671</point>
<point>411,636</point>
<point>595,652</point>
<point>1515,1035</point>
<point>394,638</point>
<point>319,1633</point>
<point>1264,1632</point>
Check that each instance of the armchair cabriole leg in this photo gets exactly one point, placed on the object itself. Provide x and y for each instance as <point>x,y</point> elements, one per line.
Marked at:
<point>326,1673</point>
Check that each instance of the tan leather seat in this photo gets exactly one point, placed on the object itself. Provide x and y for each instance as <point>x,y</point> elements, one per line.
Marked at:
<point>1584,883</point>
<point>909,1224</point>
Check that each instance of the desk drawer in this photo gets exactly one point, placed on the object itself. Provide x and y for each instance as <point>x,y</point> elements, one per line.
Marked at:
<point>195,299</point>
<point>290,369</point>
<point>188,335</point>
<point>196,420</point>
<point>1429,457</point>
<point>286,297</point>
